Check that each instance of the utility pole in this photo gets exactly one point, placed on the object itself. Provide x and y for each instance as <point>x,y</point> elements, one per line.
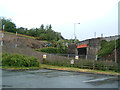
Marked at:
<point>75,31</point>
<point>95,34</point>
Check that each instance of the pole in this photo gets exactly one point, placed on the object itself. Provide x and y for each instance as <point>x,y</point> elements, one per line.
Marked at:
<point>115,52</point>
<point>75,39</point>
<point>2,35</point>
<point>95,34</point>
<point>3,32</point>
<point>16,40</point>
<point>74,33</point>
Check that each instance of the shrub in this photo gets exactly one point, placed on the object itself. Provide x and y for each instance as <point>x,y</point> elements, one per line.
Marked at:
<point>19,60</point>
<point>107,47</point>
<point>52,50</point>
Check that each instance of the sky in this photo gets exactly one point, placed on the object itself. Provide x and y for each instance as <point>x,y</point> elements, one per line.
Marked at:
<point>100,16</point>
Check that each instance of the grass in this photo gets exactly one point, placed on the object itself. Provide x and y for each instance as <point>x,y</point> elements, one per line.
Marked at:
<point>78,69</point>
<point>44,66</point>
<point>19,68</point>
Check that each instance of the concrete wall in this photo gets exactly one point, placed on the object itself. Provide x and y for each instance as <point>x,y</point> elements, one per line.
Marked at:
<point>93,45</point>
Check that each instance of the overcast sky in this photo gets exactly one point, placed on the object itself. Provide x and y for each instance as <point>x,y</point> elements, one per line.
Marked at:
<point>100,16</point>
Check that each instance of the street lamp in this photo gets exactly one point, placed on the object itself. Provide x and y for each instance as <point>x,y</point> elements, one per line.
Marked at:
<point>75,39</point>
<point>74,31</point>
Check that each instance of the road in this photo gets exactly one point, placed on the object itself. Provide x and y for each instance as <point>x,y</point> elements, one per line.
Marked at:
<point>56,79</point>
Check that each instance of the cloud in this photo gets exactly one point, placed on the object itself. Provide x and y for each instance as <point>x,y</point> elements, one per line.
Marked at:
<point>33,13</point>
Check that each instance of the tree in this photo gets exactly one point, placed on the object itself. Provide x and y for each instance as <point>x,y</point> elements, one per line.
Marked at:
<point>9,25</point>
<point>50,27</point>
<point>31,32</point>
<point>43,33</point>
<point>42,30</point>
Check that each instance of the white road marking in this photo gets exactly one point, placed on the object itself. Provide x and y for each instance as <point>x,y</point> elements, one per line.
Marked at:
<point>95,80</point>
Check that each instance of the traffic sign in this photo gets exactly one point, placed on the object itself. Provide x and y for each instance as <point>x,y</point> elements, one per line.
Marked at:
<point>76,57</point>
<point>72,61</point>
<point>44,56</point>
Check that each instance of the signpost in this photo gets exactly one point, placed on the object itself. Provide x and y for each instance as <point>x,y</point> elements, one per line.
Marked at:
<point>72,62</point>
<point>44,57</point>
<point>76,57</point>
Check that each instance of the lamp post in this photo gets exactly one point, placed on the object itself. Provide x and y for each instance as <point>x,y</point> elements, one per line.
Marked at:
<point>75,39</point>
<point>74,31</point>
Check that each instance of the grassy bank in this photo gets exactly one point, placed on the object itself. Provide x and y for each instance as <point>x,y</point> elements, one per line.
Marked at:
<point>44,66</point>
<point>78,69</point>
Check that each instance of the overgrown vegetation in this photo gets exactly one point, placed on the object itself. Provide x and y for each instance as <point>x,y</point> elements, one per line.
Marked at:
<point>107,47</point>
<point>16,60</point>
<point>19,61</point>
<point>86,64</point>
<point>42,33</point>
<point>53,50</point>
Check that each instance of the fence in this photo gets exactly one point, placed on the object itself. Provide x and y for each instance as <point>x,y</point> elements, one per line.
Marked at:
<point>69,57</point>
<point>82,62</point>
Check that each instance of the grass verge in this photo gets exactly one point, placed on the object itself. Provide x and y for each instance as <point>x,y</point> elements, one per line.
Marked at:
<point>18,68</point>
<point>44,66</point>
<point>78,69</point>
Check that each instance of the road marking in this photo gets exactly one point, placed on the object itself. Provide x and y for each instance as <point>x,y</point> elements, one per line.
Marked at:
<point>96,80</point>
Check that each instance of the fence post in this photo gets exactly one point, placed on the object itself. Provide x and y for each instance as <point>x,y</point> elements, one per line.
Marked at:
<point>86,57</point>
<point>96,57</point>
<point>68,56</point>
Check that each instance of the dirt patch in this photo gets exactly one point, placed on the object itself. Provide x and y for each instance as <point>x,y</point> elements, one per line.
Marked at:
<point>26,46</point>
<point>10,39</point>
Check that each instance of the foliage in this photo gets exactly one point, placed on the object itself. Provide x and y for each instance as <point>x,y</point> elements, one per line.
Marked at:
<point>86,64</point>
<point>9,25</point>
<point>52,50</point>
<point>107,47</point>
<point>17,60</point>
<point>43,33</point>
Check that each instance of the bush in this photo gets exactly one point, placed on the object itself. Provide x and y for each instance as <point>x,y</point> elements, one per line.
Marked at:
<point>19,60</point>
<point>107,47</point>
<point>52,50</point>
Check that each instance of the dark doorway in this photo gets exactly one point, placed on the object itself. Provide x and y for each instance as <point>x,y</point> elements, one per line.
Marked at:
<point>82,51</point>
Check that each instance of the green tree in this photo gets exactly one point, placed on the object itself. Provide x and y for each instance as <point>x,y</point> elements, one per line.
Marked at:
<point>9,25</point>
<point>31,32</point>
